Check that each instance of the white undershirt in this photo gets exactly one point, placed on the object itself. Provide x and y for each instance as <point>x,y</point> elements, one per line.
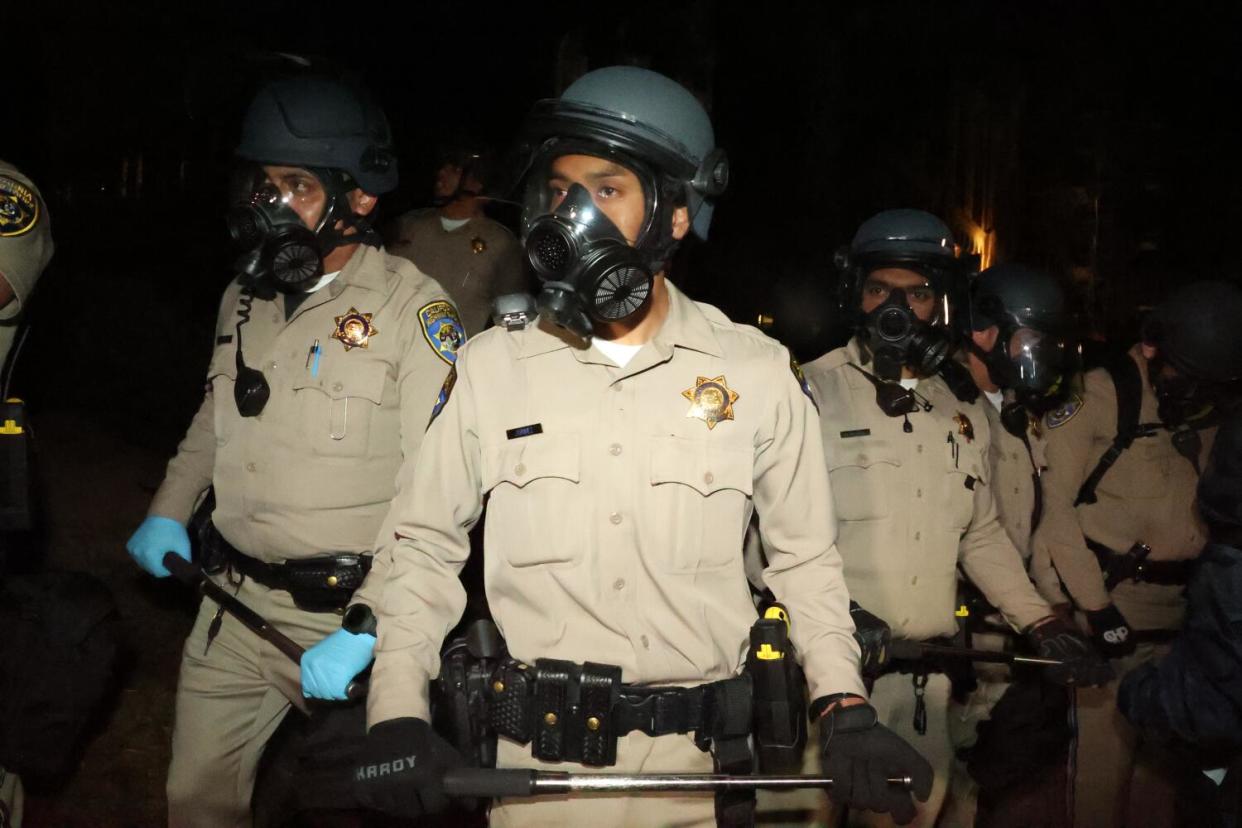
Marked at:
<point>450,225</point>
<point>324,281</point>
<point>996,398</point>
<point>618,353</point>
<point>909,383</point>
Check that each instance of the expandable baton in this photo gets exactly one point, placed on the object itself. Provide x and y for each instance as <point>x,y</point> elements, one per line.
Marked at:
<point>188,573</point>
<point>901,648</point>
<point>493,782</point>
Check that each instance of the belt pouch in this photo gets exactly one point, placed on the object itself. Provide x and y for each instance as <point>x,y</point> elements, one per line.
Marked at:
<point>599,688</point>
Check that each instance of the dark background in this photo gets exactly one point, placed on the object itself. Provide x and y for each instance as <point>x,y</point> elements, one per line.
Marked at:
<point>1097,139</point>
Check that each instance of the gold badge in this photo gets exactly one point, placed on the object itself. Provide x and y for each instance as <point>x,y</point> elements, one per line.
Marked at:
<point>964,426</point>
<point>711,400</point>
<point>354,329</point>
<point>477,244</point>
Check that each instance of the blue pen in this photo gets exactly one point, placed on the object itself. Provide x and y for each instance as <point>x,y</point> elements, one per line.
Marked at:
<point>315,352</point>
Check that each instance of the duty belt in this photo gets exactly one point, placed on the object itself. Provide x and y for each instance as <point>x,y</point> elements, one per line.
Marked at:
<point>576,713</point>
<point>1166,573</point>
<point>323,583</point>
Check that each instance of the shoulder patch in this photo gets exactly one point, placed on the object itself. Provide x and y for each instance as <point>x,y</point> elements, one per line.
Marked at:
<point>1060,416</point>
<point>446,391</point>
<point>442,329</point>
<point>802,383</point>
<point>19,208</point>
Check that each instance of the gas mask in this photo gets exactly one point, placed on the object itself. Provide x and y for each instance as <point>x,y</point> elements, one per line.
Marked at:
<point>1180,400</point>
<point>588,270</point>
<point>897,338</point>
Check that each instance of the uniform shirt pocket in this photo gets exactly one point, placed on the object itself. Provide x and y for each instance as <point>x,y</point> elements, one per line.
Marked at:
<point>336,409</point>
<point>862,472</point>
<point>699,497</point>
<point>534,501</point>
<point>965,472</point>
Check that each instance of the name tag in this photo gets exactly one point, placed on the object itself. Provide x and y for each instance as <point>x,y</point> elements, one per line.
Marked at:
<point>524,431</point>
<point>858,432</point>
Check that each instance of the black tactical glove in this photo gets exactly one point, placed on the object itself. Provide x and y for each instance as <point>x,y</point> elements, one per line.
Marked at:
<point>1110,633</point>
<point>873,637</point>
<point>401,768</point>
<point>860,755</point>
<point>1080,664</point>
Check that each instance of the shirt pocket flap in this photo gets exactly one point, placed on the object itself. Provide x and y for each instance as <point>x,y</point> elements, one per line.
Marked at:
<point>862,453</point>
<point>527,459</point>
<point>223,363</point>
<point>704,467</point>
<point>364,379</point>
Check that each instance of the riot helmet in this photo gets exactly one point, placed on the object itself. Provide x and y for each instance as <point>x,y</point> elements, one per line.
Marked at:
<point>653,128</point>
<point>1220,487</point>
<point>1198,362</point>
<point>891,334</point>
<point>333,131</point>
<point>1036,353</point>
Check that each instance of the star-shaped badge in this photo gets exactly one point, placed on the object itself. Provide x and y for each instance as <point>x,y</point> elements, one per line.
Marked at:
<point>965,427</point>
<point>711,400</point>
<point>354,329</point>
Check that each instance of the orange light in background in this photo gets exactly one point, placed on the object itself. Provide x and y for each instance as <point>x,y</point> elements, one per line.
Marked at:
<point>983,244</point>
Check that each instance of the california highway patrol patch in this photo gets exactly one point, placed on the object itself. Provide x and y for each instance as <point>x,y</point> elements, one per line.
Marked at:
<point>354,329</point>
<point>19,208</point>
<point>443,329</point>
<point>711,400</point>
<point>1065,413</point>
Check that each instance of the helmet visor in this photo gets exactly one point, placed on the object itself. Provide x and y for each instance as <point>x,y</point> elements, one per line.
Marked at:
<point>1037,359</point>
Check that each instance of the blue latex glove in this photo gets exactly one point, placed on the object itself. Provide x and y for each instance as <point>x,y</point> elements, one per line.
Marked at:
<point>154,537</point>
<point>329,666</point>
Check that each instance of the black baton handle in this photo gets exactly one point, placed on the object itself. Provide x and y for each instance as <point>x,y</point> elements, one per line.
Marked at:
<point>489,782</point>
<point>188,573</point>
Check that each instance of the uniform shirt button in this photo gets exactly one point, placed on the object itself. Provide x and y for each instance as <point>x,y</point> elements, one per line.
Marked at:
<point>918,492</point>
<point>336,386</point>
<point>1015,489</point>
<point>618,584</point>
<point>519,469</point>
<point>918,535</point>
<point>614,449</point>
<point>646,643</point>
<point>616,386</point>
<point>914,581</point>
<point>251,467</point>
<point>615,517</point>
<point>709,478</point>
<point>919,448</point>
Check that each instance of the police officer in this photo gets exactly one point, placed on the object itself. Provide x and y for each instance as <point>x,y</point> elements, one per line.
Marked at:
<point>1119,523</point>
<point>1022,355</point>
<point>476,258</point>
<point>328,353</point>
<point>1194,693</point>
<point>622,443</point>
<point>911,487</point>
<point>25,249</point>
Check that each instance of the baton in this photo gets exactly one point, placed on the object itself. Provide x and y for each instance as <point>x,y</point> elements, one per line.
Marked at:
<point>902,648</point>
<point>188,573</point>
<point>491,782</point>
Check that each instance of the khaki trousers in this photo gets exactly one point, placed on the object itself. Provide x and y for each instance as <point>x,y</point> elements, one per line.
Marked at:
<point>231,697</point>
<point>636,753</point>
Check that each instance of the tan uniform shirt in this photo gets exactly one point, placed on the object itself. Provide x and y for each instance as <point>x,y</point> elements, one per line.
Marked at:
<point>1148,495</point>
<point>1016,467</point>
<point>475,262</point>
<point>910,507</point>
<point>25,246</point>
<point>617,503</point>
<point>314,473</point>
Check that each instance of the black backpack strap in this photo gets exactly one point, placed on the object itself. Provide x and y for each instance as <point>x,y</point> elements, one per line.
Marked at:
<point>1129,386</point>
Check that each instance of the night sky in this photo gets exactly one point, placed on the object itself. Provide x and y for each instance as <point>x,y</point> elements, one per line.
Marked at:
<point>1096,139</point>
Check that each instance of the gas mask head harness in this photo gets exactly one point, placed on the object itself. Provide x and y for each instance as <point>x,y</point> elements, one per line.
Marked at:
<point>280,253</point>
